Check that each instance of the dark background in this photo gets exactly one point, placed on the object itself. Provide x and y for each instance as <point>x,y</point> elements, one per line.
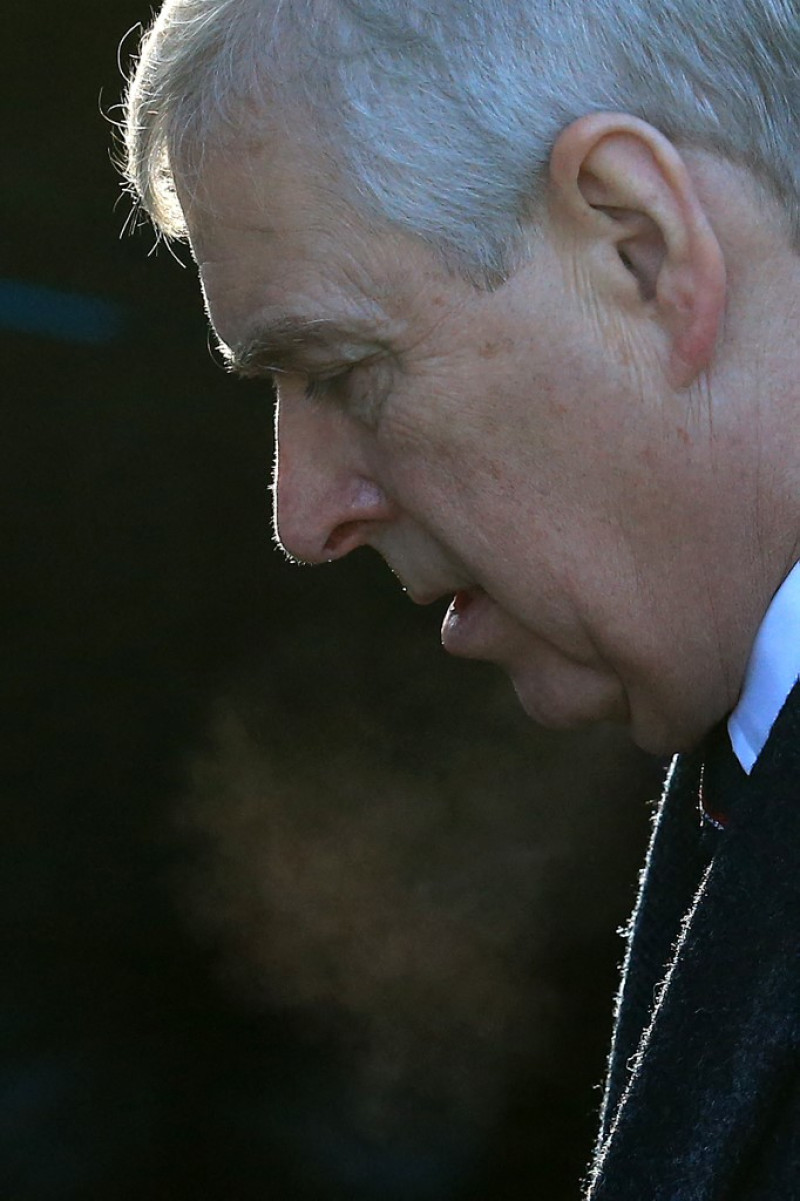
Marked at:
<point>292,905</point>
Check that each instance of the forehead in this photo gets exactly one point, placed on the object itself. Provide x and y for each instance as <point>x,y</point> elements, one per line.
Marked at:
<point>279,249</point>
<point>269,222</point>
<point>290,268</point>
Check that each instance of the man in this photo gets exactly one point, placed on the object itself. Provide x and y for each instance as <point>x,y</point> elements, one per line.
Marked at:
<point>526,278</point>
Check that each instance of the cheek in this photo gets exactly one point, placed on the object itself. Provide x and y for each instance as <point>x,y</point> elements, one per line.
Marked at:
<point>421,440</point>
<point>448,466</point>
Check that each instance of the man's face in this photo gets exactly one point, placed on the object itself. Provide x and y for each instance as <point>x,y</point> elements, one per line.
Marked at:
<point>514,451</point>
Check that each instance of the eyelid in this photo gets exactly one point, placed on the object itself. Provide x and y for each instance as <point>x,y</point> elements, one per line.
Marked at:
<point>320,385</point>
<point>278,376</point>
<point>333,375</point>
<point>314,385</point>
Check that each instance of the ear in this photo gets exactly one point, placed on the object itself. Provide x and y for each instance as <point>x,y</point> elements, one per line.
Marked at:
<point>617,180</point>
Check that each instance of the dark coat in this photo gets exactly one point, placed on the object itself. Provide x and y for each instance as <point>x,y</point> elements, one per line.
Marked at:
<point>703,1092</point>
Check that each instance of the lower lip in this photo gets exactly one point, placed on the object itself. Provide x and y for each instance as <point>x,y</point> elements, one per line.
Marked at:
<point>464,629</point>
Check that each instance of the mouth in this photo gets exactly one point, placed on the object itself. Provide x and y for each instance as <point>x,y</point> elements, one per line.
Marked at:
<point>470,626</point>
<point>429,596</point>
<point>466,628</point>
<point>462,601</point>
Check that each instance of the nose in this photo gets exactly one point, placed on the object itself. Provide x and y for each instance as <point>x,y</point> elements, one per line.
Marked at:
<point>325,502</point>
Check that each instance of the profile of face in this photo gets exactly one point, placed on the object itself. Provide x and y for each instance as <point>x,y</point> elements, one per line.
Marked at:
<point>540,454</point>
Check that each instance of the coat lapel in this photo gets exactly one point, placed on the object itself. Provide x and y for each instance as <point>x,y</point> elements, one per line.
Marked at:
<point>672,871</point>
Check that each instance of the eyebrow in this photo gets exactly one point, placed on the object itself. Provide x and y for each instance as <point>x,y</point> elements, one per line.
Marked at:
<point>288,343</point>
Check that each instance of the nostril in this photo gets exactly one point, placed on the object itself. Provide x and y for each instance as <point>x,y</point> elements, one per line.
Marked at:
<point>343,538</point>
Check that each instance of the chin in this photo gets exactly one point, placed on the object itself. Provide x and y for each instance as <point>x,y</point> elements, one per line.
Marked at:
<point>587,701</point>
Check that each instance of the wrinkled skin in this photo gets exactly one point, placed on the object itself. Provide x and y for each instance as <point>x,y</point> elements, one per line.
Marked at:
<point>525,449</point>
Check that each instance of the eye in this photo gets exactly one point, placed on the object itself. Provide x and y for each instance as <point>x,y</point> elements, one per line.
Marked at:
<point>360,390</point>
<point>322,388</point>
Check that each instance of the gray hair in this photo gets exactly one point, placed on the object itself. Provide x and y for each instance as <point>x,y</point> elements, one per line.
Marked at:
<point>441,116</point>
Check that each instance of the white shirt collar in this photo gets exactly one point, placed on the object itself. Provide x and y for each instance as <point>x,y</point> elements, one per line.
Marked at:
<point>772,672</point>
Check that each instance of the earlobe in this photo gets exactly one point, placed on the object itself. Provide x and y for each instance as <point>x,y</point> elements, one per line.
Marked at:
<point>618,180</point>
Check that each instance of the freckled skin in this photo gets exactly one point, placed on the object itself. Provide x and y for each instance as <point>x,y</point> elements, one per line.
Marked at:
<point>515,446</point>
<point>490,350</point>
